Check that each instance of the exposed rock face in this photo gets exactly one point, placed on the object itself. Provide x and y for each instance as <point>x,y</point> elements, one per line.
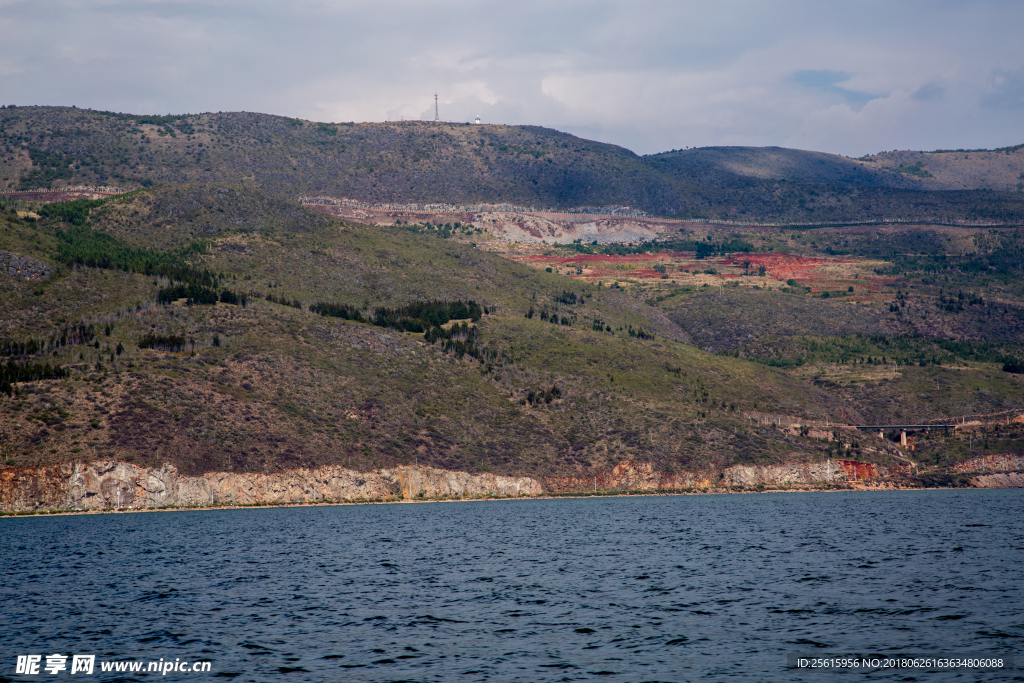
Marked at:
<point>516,226</point>
<point>1005,468</point>
<point>24,267</point>
<point>432,482</point>
<point>641,476</point>
<point>831,470</point>
<point>1005,480</point>
<point>34,488</point>
<point>628,475</point>
<point>1002,462</point>
<point>98,485</point>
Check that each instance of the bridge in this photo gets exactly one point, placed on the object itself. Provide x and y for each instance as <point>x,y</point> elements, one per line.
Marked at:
<point>877,428</point>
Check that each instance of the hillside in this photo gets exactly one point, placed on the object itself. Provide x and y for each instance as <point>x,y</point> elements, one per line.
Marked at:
<point>422,162</point>
<point>207,321</point>
<point>792,186</point>
<point>716,164</point>
<point>978,169</point>
<point>1000,169</point>
<point>267,383</point>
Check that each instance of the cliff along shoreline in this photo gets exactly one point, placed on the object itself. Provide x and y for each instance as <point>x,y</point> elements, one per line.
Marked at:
<point>103,485</point>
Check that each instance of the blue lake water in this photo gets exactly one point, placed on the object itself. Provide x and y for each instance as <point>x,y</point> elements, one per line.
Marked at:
<point>676,588</point>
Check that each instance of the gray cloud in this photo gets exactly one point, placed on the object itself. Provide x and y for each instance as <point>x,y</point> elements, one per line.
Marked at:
<point>1007,91</point>
<point>929,92</point>
<point>656,75</point>
<point>829,81</point>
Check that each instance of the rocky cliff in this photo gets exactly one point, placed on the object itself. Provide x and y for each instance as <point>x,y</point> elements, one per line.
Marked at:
<point>1003,480</point>
<point>99,485</point>
<point>1000,462</point>
<point>106,484</point>
<point>998,471</point>
<point>638,476</point>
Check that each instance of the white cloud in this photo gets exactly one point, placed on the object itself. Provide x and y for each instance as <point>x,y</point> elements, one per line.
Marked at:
<point>647,75</point>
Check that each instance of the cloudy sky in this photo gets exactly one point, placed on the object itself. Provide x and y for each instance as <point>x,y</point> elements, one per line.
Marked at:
<point>849,77</point>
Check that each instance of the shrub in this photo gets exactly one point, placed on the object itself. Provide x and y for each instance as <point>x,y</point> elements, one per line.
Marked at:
<point>1014,366</point>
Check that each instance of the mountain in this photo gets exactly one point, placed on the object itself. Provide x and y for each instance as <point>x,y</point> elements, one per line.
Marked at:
<point>422,162</point>
<point>222,327</point>
<point>272,384</point>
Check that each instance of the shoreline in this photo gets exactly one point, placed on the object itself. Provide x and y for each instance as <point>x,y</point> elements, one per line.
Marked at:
<point>114,485</point>
<point>494,498</point>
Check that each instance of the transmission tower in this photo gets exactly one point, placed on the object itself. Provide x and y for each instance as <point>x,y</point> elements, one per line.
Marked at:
<point>436,117</point>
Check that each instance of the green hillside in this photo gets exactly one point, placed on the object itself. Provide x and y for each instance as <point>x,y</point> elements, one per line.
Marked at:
<point>271,384</point>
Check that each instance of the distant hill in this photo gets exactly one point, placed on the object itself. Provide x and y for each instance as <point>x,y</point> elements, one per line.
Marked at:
<point>777,163</point>
<point>786,185</point>
<point>417,161</point>
<point>972,169</point>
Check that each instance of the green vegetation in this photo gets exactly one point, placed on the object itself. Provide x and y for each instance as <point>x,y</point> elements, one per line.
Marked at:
<point>426,317</point>
<point>418,316</point>
<point>1014,148</point>
<point>84,246</point>
<point>87,247</point>
<point>1014,366</point>
<point>13,373</point>
<point>791,352</point>
<point>163,342</point>
<point>914,170</point>
<point>49,166</point>
<point>442,230</point>
<point>343,311</point>
<point>74,335</point>
<point>75,212</point>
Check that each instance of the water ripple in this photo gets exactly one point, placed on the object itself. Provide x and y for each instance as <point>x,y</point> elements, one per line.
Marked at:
<point>624,589</point>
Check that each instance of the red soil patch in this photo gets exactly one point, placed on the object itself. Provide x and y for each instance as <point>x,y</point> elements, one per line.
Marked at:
<point>781,266</point>
<point>858,470</point>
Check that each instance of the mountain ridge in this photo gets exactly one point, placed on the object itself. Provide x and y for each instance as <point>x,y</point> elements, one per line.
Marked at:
<point>423,162</point>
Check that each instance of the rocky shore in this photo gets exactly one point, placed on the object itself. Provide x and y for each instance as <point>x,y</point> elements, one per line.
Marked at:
<point>108,484</point>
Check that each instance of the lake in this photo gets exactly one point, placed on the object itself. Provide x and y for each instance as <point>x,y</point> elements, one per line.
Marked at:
<point>671,588</point>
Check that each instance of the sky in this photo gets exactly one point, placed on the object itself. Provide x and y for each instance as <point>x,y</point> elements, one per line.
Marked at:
<point>852,77</point>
